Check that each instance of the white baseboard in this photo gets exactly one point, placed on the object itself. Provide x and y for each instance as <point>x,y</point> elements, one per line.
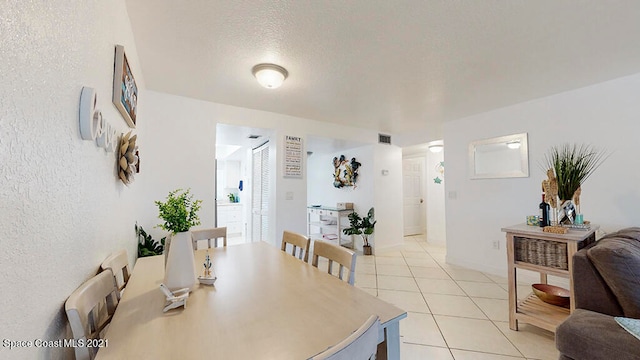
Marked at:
<point>493,270</point>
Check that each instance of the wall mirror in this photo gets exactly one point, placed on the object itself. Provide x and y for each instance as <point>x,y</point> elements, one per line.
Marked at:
<point>499,157</point>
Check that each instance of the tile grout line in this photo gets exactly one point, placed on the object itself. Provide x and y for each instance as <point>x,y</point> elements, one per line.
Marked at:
<point>427,303</point>
<point>470,298</point>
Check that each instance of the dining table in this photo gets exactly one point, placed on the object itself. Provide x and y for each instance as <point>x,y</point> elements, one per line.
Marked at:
<point>265,304</point>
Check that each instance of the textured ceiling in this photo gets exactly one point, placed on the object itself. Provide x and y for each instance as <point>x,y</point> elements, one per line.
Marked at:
<point>399,67</point>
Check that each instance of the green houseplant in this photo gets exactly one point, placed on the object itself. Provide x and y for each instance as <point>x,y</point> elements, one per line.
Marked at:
<point>147,246</point>
<point>362,226</point>
<point>179,213</point>
<point>572,165</point>
<point>568,167</point>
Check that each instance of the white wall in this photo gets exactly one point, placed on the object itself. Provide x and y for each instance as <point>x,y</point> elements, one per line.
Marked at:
<point>179,152</point>
<point>285,214</point>
<point>388,196</point>
<point>436,219</point>
<point>320,189</point>
<point>63,208</point>
<point>604,115</point>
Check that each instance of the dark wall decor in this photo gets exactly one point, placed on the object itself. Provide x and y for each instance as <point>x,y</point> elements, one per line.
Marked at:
<point>345,173</point>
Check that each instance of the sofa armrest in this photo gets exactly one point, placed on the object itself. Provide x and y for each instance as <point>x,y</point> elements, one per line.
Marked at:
<point>594,336</point>
<point>591,292</point>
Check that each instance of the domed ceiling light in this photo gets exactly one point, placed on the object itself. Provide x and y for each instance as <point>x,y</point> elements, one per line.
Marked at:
<point>270,76</point>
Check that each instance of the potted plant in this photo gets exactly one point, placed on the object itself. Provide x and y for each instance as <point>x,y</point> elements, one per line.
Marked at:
<point>147,246</point>
<point>362,226</point>
<point>179,213</point>
<point>569,166</point>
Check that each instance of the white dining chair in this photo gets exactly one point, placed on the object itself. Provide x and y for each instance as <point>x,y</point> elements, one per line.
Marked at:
<point>344,257</point>
<point>298,243</point>
<point>211,235</point>
<point>118,263</point>
<point>362,344</point>
<point>90,309</point>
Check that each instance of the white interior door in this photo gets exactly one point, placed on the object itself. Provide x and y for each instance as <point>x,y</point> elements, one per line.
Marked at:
<point>413,195</point>
<point>260,194</point>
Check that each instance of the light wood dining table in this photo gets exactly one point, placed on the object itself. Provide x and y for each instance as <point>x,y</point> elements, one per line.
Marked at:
<point>265,304</point>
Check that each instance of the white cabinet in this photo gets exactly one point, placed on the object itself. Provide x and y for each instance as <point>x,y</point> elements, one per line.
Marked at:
<point>230,215</point>
<point>326,224</point>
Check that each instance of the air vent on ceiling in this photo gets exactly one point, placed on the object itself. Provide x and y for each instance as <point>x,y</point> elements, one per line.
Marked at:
<point>254,136</point>
<point>384,139</point>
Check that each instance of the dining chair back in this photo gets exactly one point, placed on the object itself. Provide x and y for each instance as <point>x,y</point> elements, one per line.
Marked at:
<point>118,263</point>
<point>344,257</point>
<point>211,235</point>
<point>362,344</point>
<point>89,310</point>
<point>299,243</point>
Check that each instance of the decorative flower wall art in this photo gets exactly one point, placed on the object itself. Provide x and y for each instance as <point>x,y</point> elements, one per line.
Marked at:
<point>345,173</point>
<point>127,158</point>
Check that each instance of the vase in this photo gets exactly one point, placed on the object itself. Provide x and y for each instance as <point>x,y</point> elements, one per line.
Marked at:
<point>180,267</point>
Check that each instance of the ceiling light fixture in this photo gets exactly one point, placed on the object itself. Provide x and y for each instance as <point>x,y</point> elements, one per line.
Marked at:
<point>436,148</point>
<point>513,144</point>
<point>270,76</point>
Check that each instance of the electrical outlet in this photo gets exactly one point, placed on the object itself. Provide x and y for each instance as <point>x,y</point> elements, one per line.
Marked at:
<point>496,244</point>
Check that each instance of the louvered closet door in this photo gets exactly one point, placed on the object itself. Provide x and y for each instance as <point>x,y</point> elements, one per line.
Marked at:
<point>260,194</point>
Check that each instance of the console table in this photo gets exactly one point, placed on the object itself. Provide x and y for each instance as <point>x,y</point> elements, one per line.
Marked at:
<point>325,223</point>
<point>528,247</point>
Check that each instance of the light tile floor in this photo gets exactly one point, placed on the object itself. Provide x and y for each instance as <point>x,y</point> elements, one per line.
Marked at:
<point>453,312</point>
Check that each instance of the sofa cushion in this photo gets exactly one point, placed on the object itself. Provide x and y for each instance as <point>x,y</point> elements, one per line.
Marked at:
<point>591,335</point>
<point>618,262</point>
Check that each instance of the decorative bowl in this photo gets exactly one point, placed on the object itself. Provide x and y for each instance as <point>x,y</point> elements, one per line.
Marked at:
<point>550,294</point>
<point>207,280</point>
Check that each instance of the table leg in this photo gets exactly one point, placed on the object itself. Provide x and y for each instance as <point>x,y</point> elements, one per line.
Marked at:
<point>543,278</point>
<point>512,280</point>
<point>572,248</point>
<point>389,349</point>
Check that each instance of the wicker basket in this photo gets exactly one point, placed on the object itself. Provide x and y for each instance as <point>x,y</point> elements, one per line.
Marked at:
<point>545,252</point>
<point>541,252</point>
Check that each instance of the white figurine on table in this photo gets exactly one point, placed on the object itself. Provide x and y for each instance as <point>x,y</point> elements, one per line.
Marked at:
<point>175,299</point>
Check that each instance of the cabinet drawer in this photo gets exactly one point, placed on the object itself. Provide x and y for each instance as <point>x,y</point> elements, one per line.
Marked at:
<point>234,227</point>
<point>234,216</point>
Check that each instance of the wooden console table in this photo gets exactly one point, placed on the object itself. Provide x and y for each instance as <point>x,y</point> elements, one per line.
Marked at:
<point>528,247</point>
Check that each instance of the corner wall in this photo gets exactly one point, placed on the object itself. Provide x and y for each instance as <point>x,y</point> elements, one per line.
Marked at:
<point>63,208</point>
<point>388,196</point>
<point>436,223</point>
<point>604,115</point>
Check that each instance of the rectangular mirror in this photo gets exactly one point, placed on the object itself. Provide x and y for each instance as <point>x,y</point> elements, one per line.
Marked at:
<point>499,157</point>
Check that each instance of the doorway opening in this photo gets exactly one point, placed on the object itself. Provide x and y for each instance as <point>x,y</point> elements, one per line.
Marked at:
<point>424,193</point>
<point>235,180</point>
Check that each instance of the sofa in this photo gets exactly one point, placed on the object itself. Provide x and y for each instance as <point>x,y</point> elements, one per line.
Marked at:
<point>606,279</point>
